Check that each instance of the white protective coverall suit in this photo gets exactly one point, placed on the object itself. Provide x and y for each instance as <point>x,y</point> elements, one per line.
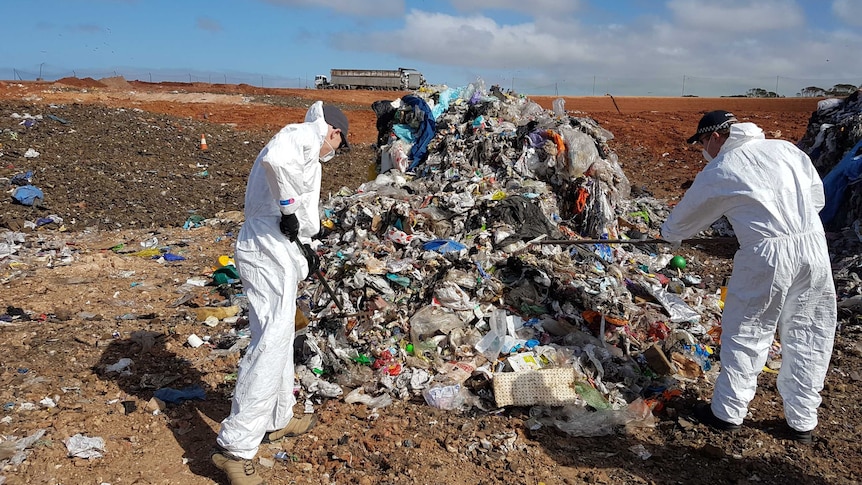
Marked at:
<point>285,179</point>
<point>771,194</point>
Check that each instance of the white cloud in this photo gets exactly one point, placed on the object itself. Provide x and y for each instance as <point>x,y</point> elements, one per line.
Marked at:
<point>476,41</point>
<point>645,55</point>
<point>537,7</point>
<point>848,11</point>
<point>377,8</point>
<point>748,16</point>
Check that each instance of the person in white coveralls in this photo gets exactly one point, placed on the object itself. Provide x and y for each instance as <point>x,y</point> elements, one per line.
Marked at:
<point>272,256</point>
<point>782,277</point>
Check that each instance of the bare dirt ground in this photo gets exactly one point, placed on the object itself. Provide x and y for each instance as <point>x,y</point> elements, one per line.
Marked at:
<point>120,162</point>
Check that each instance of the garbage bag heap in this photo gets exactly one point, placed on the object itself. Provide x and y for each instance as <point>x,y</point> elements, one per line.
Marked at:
<point>444,281</point>
<point>833,141</point>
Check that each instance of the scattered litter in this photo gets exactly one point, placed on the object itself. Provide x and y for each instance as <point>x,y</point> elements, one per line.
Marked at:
<point>121,366</point>
<point>177,396</point>
<point>194,341</point>
<point>80,446</point>
<point>29,195</point>
<point>15,450</point>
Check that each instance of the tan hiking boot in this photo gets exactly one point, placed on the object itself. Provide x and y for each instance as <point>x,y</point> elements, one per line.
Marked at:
<point>239,471</point>
<point>295,427</point>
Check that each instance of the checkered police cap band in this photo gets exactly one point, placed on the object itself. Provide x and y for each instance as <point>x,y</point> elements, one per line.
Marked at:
<point>713,121</point>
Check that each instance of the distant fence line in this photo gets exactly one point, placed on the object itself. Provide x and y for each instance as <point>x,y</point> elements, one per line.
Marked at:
<point>576,85</point>
<point>161,76</point>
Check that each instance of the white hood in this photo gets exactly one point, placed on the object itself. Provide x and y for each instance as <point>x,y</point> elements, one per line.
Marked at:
<point>741,133</point>
<point>314,115</point>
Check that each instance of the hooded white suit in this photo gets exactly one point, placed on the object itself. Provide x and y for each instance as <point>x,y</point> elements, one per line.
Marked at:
<point>771,194</point>
<point>285,179</point>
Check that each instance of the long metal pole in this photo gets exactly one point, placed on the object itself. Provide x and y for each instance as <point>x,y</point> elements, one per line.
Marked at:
<point>689,242</point>
<point>322,280</point>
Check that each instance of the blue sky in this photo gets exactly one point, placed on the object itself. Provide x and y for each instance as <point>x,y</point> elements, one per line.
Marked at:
<point>566,47</point>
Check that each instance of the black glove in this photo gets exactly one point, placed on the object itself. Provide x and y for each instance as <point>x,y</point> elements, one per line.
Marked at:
<point>312,258</point>
<point>289,226</point>
<point>322,233</point>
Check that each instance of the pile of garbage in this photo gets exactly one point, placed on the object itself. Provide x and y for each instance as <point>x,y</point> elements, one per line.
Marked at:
<point>497,259</point>
<point>833,141</point>
<point>454,276</point>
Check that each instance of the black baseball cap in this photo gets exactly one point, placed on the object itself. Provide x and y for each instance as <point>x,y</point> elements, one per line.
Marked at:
<point>713,121</point>
<point>335,118</point>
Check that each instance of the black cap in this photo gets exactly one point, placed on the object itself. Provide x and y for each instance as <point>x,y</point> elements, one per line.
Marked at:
<point>713,121</point>
<point>335,118</point>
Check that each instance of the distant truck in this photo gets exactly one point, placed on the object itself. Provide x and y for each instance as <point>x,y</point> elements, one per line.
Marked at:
<point>401,79</point>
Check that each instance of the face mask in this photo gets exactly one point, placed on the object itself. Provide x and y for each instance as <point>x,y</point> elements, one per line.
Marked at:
<point>329,155</point>
<point>705,153</point>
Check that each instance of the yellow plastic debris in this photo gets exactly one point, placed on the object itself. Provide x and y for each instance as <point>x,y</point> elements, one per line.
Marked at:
<point>147,253</point>
<point>220,312</point>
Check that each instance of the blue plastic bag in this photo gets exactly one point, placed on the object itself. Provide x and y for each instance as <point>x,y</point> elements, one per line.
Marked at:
<point>27,195</point>
<point>443,246</point>
<point>176,396</point>
<point>22,178</point>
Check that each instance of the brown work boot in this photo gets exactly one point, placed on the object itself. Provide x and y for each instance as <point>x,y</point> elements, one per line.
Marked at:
<point>239,471</point>
<point>295,427</point>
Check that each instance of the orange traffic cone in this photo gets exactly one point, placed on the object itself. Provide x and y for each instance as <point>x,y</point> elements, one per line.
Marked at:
<point>203,142</point>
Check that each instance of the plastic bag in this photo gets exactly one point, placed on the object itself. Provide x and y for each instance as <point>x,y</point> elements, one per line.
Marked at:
<point>493,342</point>
<point>450,295</point>
<point>559,106</point>
<point>430,320</point>
<point>581,152</point>
<point>358,395</point>
<point>447,397</point>
<point>81,446</point>
<point>29,195</point>
<point>579,421</point>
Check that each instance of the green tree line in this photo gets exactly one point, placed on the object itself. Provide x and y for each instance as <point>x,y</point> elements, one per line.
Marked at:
<point>837,90</point>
